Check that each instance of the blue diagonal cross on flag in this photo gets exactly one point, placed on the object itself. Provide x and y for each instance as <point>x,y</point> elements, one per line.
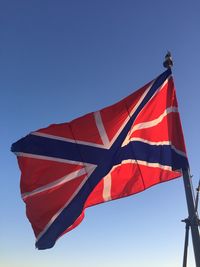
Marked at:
<point>108,154</point>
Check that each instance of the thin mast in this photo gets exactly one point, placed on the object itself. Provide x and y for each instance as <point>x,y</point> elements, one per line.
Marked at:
<point>192,221</point>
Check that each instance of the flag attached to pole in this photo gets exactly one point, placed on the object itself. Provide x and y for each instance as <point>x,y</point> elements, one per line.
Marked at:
<point>112,153</point>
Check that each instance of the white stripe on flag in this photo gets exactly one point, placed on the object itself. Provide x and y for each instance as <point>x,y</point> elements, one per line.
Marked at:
<point>62,180</point>
<point>107,183</point>
<point>101,129</point>
<point>60,138</point>
<point>144,163</point>
<point>152,123</point>
<point>34,156</point>
<point>149,124</point>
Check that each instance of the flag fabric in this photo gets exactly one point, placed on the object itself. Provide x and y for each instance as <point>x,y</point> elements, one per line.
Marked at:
<point>118,151</point>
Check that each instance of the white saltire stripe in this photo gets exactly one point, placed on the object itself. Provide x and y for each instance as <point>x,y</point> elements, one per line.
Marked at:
<point>62,180</point>
<point>154,122</point>
<point>107,184</point>
<point>66,204</point>
<point>160,143</point>
<point>149,124</point>
<point>101,129</point>
<point>55,137</point>
<point>144,163</point>
<point>34,156</point>
<point>150,142</point>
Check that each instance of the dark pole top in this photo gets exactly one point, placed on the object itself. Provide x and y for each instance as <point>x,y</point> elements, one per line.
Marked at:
<point>168,63</point>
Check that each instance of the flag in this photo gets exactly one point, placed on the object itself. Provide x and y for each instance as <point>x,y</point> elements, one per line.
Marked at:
<point>112,153</point>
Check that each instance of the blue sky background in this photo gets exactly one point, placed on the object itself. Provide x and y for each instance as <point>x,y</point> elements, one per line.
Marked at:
<point>62,59</point>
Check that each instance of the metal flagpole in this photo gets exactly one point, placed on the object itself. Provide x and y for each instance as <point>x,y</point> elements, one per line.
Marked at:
<point>187,228</point>
<point>192,221</point>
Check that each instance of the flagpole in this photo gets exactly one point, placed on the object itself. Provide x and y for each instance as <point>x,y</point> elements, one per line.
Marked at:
<point>192,221</point>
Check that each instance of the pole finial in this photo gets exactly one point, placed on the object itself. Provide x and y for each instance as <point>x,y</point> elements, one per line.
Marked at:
<point>168,63</point>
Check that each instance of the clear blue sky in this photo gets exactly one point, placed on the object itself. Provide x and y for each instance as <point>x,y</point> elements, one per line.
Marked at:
<point>62,59</point>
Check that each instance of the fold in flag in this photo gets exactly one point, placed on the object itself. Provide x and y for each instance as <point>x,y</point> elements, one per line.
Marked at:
<point>118,151</point>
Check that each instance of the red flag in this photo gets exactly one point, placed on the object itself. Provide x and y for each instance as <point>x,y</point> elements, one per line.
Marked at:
<point>105,155</point>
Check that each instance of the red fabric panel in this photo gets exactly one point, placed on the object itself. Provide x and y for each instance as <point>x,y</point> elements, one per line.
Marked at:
<point>37,172</point>
<point>42,207</point>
